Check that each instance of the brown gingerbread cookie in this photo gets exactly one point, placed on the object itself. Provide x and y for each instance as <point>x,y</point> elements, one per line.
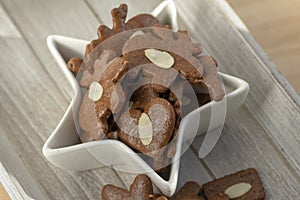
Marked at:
<point>190,191</point>
<point>241,185</point>
<point>111,100</point>
<point>162,117</point>
<point>113,95</point>
<point>203,98</point>
<point>99,66</point>
<point>211,78</point>
<point>87,116</point>
<point>142,95</point>
<point>113,135</point>
<point>119,25</point>
<point>161,79</point>
<point>175,97</point>
<point>140,189</point>
<point>74,64</point>
<point>179,45</point>
<point>221,196</point>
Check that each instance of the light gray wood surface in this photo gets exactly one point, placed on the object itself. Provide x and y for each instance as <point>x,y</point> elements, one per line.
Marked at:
<point>263,133</point>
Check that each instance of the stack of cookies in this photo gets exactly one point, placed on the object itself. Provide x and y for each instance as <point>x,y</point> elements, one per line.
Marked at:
<point>140,79</point>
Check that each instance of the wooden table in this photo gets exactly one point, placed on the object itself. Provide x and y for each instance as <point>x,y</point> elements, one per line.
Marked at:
<point>264,133</point>
<point>275,24</point>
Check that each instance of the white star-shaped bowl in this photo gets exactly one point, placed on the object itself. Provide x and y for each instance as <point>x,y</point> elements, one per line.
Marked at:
<point>64,149</point>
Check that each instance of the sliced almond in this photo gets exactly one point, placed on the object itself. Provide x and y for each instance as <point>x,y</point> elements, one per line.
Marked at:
<point>136,34</point>
<point>95,91</point>
<point>160,58</point>
<point>145,129</point>
<point>238,190</point>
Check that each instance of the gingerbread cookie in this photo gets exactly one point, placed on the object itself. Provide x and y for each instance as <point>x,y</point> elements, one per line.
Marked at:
<point>211,79</point>
<point>111,100</point>
<point>190,191</point>
<point>142,95</point>
<point>203,98</point>
<point>99,66</point>
<point>244,184</point>
<point>221,196</point>
<point>140,189</point>
<point>87,116</point>
<point>162,120</point>
<point>119,25</point>
<point>161,79</point>
<point>74,64</point>
<point>177,44</point>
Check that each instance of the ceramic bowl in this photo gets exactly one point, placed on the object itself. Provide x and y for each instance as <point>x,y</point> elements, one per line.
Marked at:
<point>63,147</point>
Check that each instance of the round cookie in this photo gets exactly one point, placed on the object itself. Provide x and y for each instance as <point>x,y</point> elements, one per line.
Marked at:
<point>74,64</point>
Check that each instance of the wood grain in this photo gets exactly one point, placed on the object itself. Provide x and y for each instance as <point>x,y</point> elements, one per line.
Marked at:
<point>275,24</point>
<point>8,189</point>
<point>15,166</point>
<point>38,20</point>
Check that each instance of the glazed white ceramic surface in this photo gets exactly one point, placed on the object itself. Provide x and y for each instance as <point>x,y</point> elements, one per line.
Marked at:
<point>64,149</point>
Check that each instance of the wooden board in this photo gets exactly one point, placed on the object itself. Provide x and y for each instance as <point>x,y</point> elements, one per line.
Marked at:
<point>38,19</point>
<point>275,24</point>
<point>8,189</point>
<point>36,95</point>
